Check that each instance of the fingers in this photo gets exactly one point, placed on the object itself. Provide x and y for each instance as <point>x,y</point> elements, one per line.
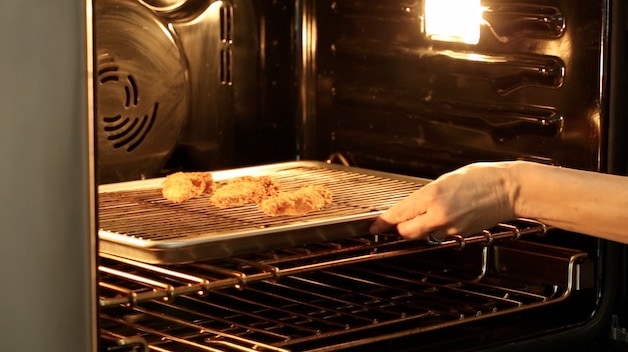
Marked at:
<point>404,210</point>
<point>379,225</point>
<point>415,216</point>
<point>407,216</point>
<point>416,227</point>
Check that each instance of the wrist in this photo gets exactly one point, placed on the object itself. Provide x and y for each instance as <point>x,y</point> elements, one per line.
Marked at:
<point>514,173</point>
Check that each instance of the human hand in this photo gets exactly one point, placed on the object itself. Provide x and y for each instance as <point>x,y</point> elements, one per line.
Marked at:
<point>465,201</point>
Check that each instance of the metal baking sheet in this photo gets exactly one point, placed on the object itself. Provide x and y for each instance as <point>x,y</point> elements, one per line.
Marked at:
<point>136,222</point>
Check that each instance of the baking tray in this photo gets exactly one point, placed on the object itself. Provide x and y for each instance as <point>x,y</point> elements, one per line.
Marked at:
<point>136,222</point>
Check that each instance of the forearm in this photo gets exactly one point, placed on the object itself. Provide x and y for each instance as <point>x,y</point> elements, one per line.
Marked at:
<point>580,201</point>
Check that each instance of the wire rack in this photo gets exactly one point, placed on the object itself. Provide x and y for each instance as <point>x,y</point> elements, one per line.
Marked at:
<point>324,296</point>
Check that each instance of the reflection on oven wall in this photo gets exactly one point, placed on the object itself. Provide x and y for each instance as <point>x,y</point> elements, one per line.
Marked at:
<point>392,95</point>
<point>180,85</point>
<point>372,86</point>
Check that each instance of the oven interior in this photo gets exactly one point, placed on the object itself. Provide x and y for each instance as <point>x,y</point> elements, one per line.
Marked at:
<point>357,83</point>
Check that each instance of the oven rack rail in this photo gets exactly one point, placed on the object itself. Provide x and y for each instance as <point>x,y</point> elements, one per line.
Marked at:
<point>128,282</point>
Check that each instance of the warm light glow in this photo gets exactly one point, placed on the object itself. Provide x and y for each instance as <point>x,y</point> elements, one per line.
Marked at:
<point>453,20</point>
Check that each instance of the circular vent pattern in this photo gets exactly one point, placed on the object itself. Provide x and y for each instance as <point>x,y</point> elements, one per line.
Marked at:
<point>142,91</point>
<point>131,126</point>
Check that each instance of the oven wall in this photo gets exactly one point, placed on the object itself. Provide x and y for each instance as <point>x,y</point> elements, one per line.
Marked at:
<point>258,107</point>
<point>389,98</point>
<point>46,224</point>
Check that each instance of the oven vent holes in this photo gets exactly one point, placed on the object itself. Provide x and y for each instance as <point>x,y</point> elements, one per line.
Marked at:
<point>129,128</point>
<point>225,66</point>
<point>226,38</point>
<point>226,24</point>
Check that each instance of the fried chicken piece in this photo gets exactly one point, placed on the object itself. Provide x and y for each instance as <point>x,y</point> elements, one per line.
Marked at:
<point>302,201</point>
<point>244,190</point>
<point>181,186</point>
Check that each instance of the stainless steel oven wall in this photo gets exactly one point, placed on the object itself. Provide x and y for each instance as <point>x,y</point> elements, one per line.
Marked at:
<point>192,85</point>
<point>388,97</point>
<point>240,66</point>
<point>48,251</point>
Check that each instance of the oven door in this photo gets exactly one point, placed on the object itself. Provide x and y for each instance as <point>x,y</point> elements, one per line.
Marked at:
<point>47,260</point>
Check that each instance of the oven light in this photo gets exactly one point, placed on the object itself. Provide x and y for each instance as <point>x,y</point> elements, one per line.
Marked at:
<point>453,20</point>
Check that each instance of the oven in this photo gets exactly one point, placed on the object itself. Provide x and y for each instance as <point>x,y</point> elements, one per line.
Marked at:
<point>104,99</point>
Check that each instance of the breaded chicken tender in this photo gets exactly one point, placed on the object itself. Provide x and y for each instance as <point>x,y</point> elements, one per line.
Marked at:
<point>302,201</point>
<point>244,190</point>
<point>181,186</point>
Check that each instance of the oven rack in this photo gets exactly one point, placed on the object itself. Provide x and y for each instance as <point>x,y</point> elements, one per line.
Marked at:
<point>281,303</point>
<point>126,281</point>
